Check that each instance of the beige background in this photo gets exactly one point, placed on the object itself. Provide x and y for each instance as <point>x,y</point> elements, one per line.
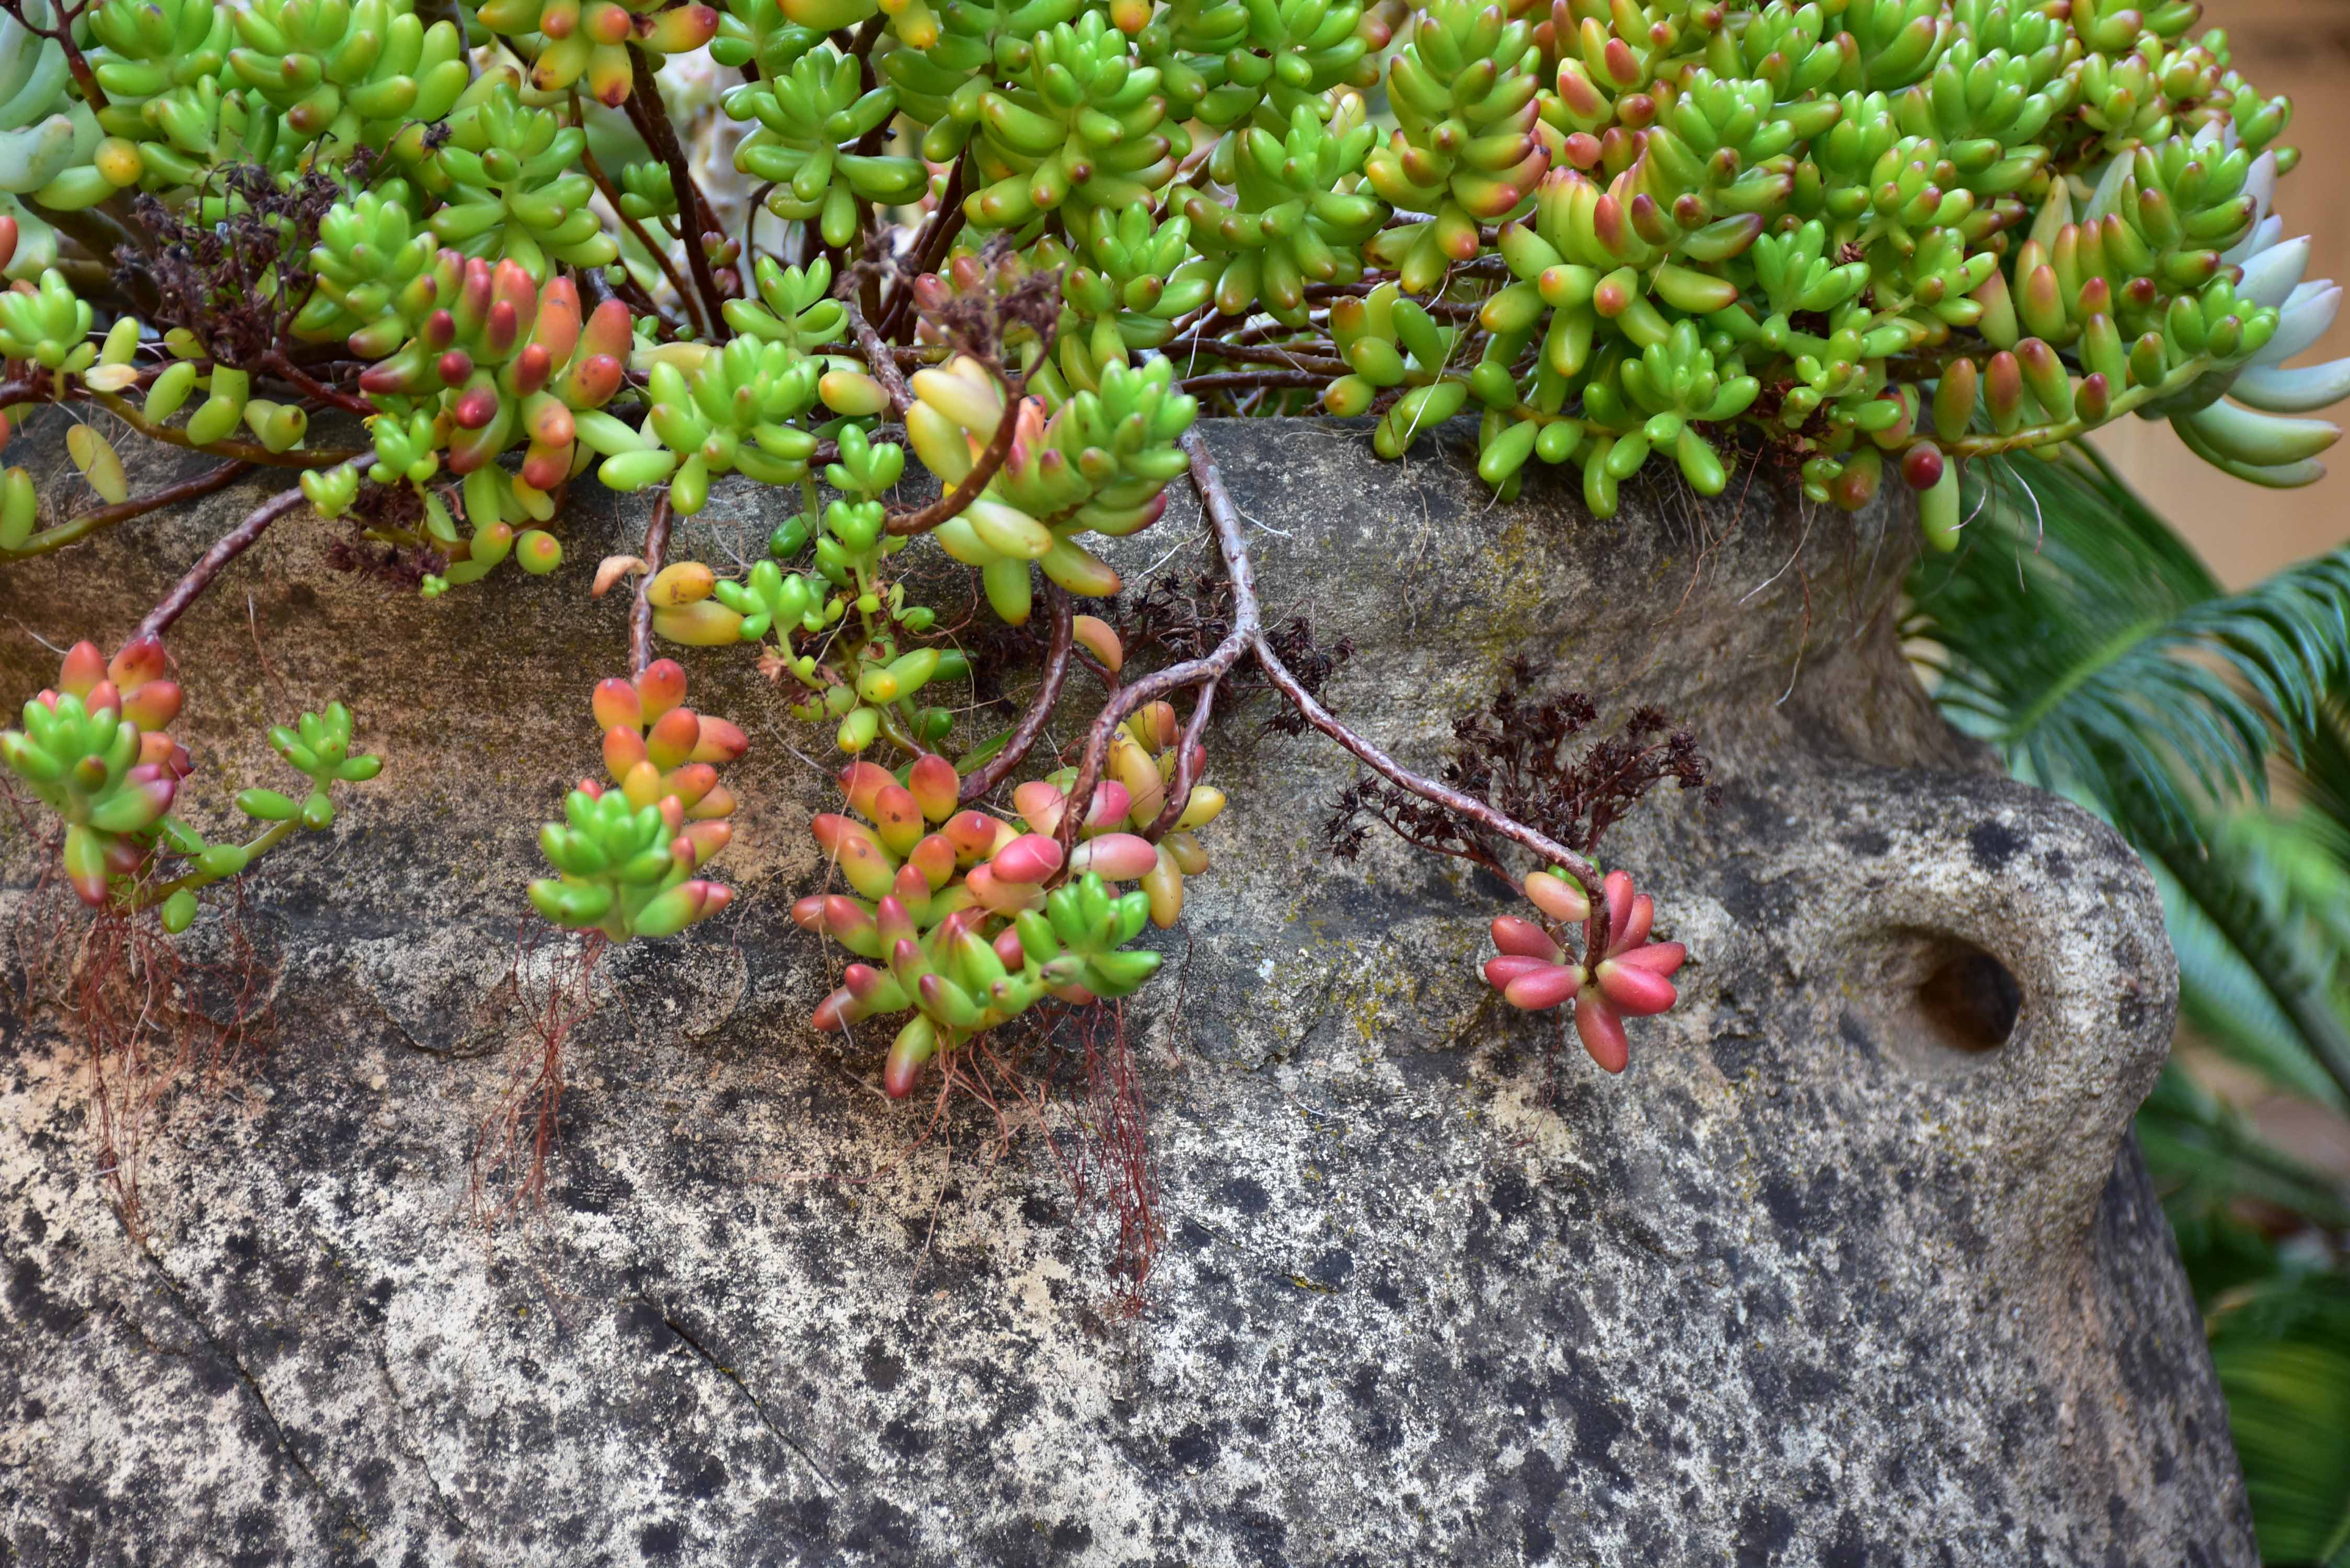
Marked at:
<point>2300,48</point>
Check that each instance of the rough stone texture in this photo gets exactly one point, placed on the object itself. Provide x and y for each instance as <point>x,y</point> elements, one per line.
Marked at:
<point>1810,1285</point>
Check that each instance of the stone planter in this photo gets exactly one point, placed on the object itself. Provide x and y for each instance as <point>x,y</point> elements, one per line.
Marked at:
<point>1856,1265</point>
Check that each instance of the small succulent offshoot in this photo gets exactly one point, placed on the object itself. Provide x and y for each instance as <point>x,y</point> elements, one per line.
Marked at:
<point>96,749</point>
<point>964,917</point>
<point>1611,970</point>
<point>626,852</point>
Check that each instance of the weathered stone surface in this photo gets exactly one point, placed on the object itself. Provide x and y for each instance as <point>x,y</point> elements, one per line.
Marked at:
<point>1808,1285</point>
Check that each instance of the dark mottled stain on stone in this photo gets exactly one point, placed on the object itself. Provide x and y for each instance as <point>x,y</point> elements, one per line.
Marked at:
<point>1733,1052</point>
<point>882,1370</point>
<point>905,1440</point>
<point>1332,1269</point>
<point>1765,1526</point>
<point>1855,1034</point>
<point>1992,844</point>
<point>1247,1194</point>
<point>1193,1448</point>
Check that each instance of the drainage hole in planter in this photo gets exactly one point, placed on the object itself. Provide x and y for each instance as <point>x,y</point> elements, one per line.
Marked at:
<point>1970,1002</point>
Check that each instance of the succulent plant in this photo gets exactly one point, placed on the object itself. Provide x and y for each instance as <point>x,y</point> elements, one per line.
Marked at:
<point>1033,242</point>
<point>593,40</point>
<point>969,921</point>
<point>807,115</point>
<point>510,185</point>
<point>1614,971</point>
<point>96,749</point>
<point>626,852</point>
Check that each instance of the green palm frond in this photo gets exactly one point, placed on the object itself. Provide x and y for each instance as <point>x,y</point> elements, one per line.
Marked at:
<point>2206,1159</point>
<point>2234,1003</point>
<point>2283,1353</point>
<point>2239,920</point>
<point>2081,637</point>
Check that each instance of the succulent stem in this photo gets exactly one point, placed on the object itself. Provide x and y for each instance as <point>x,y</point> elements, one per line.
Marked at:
<point>224,549</point>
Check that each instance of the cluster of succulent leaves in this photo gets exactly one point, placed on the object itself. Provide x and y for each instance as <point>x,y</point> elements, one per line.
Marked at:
<point>1846,233</point>
<point>626,852</point>
<point>1527,755</point>
<point>962,918</point>
<point>1032,241</point>
<point>96,749</point>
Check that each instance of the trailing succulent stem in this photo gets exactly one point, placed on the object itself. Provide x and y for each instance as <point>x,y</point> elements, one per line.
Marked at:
<point>1517,758</point>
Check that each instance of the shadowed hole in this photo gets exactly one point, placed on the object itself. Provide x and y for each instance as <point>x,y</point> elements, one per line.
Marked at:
<point>1970,1002</point>
<point>1934,1001</point>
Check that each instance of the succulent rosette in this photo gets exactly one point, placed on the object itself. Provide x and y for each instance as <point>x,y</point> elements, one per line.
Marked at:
<point>94,749</point>
<point>1619,971</point>
<point>626,852</point>
<point>967,919</point>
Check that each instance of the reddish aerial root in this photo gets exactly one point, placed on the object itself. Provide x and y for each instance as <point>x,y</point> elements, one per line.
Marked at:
<point>146,1016</point>
<point>1117,1147</point>
<point>511,1152</point>
<point>1070,1073</point>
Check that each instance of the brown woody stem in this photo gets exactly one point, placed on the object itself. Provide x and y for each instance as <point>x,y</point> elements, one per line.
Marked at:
<point>878,359</point>
<point>930,248</point>
<point>241,452</point>
<point>640,616</point>
<point>1257,380</point>
<point>73,529</point>
<point>285,370</point>
<point>1187,765</point>
<point>1319,355</point>
<point>999,767</point>
<point>84,78</point>
<point>1206,670</point>
<point>1387,767</point>
<point>1247,635</point>
<point>951,502</point>
<point>653,247</point>
<point>226,548</point>
<point>645,107</point>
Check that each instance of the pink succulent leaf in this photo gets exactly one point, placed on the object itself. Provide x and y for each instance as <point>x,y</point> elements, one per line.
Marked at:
<point>1501,972</point>
<point>1040,805</point>
<point>1660,958</point>
<point>1559,896</point>
<point>1542,988</point>
<point>83,668</point>
<point>1513,935</point>
<point>1601,1028</point>
<point>1117,856</point>
<point>1617,893</point>
<point>1638,992</point>
<point>1028,859</point>
<point>1634,930</point>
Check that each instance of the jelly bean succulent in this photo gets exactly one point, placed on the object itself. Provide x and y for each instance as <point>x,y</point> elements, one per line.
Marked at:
<point>626,852</point>
<point>1610,970</point>
<point>960,917</point>
<point>97,751</point>
<point>441,274</point>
